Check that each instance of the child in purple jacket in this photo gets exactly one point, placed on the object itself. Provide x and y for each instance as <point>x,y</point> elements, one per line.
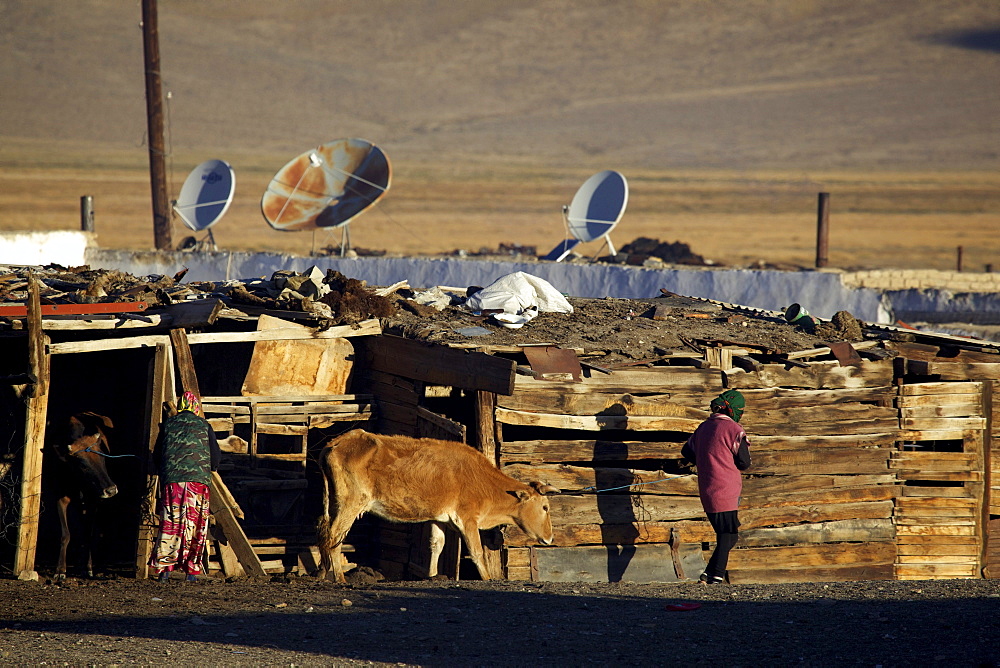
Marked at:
<point>720,449</point>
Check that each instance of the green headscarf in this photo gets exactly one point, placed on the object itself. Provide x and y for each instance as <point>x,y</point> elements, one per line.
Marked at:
<point>729,402</point>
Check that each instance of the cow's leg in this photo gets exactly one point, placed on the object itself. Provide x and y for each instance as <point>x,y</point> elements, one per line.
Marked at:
<point>332,538</point>
<point>63,508</point>
<point>470,534</point>
<point>437,546</point>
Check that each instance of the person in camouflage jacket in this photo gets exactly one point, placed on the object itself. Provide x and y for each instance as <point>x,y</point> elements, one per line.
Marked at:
<point>185,455</point>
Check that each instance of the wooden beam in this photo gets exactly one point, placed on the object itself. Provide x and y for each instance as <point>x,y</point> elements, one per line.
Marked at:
<point>588,450</point>
<point>225,519</point>
<point>39,364</point>
<point>597,422</point>
<point>160,389</point>
<point>363,328</point>
<point>440,365</point>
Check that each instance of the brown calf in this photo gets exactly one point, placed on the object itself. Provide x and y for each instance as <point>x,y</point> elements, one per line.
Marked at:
<point>82,476</point>
<point>407,479</point>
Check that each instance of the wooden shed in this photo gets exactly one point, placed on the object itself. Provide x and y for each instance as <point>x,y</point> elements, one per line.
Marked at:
<point>870,462</point>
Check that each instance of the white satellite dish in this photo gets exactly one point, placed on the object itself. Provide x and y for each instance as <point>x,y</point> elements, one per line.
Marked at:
<point>595,210</point>
<point>206,195</point>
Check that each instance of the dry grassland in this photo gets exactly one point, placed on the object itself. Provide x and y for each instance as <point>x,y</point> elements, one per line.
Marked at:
<point>878,220</point>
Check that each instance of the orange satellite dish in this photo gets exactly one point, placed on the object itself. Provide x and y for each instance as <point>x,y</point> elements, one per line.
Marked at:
<point>327,187</point>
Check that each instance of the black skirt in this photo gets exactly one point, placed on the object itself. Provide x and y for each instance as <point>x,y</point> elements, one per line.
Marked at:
<point>727,522</point>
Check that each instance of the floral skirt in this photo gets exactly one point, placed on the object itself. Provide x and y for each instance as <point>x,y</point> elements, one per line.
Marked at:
<point>183,528</point>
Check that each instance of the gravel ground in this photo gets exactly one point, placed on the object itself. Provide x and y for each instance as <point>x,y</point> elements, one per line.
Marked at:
<point>306,622</point>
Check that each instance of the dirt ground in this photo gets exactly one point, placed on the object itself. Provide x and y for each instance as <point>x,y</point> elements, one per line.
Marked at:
<point>303,622</point>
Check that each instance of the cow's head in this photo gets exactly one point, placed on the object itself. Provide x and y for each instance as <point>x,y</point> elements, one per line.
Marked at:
<point>532,515</point>
<point>86,451</point>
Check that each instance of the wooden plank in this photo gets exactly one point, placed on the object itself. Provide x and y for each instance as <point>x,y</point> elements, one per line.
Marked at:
<point>307,409</point>
<point>580,478</point>
<point>194,314</point>
<point>323,421</point>
<point>937,550</point>
<point>281,429</point>
<point>931,435</point>
<point>597,422</point>
<point>635,563</point>
<point>817,375</point>
<point>961,423</point>
<point>926,530</point>
<point>959,371</point>
<point>100,345</point>
<point>833,413</point>
<point>818,574</point>
<point>927,503</point>
<point>298,367</point>
<point>941,476</point>
<point>875,426</point>
<point>949,570</point>
<point>937,559</point>
<point>305,400</point>
<point>160,389</point>
<point>819,496</point>
<point>858,531</point>
<point>565,535</point>
<point>930,540</point>
<point>226,522</point>
<point>777,398</point>
<point>808,556</point>
<point>753,518</point>
<point>554,400</point>
<point>935,520</point>
<point>914,401</point>
<point>438,426</point>
<point>587,450</point>
<point>794,442</point>
<point>827,460</point>
<point>939,388</point>
<point>940,411</point>
<point>290,333</point>
<point>620,509</point>
<point>185,362</point>
<point>105,322</point>
<point>654,380</point>
<point>783,484</point>
<point>440,365</point>
<point>39,365</point>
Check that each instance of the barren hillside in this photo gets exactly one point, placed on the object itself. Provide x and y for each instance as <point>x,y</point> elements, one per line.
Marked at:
<point>477,103</point>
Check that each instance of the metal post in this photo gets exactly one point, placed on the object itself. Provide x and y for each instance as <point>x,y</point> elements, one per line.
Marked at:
<point>958,258</point>
<point>87,213</point>
<point>154,118</point>
<point>822,230</point>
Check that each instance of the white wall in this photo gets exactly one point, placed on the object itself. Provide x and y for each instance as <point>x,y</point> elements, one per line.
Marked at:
<point>64,247</point>
<point>821,293</point>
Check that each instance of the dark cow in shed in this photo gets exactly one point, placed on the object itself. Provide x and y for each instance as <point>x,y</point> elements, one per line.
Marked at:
<point>78,474</point>
<point>406,479</point>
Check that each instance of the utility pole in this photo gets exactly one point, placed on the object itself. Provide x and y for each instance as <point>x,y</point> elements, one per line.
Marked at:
<point>154,122</point>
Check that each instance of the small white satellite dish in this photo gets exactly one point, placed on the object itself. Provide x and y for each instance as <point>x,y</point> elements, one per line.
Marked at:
<point>327,187</point>
<point>206,195</point>
<point>595,210</point>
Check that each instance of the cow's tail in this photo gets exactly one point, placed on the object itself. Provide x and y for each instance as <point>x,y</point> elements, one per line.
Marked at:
<point>324,539</point>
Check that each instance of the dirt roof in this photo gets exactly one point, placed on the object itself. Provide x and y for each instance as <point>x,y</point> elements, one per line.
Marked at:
<point>607,331</point>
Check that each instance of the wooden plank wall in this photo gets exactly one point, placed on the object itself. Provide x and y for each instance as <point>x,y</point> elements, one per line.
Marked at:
<point>820,502</point>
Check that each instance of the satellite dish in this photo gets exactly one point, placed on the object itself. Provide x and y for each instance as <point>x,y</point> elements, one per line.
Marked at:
<point>595,210</point>
<point>206,194</point>
<point>327,187</point>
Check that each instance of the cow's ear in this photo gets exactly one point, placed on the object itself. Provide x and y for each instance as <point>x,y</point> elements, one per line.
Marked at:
<point>544,488</point>
<point>97,418</point>
<point>76,428</point>
<point>521,494</point>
